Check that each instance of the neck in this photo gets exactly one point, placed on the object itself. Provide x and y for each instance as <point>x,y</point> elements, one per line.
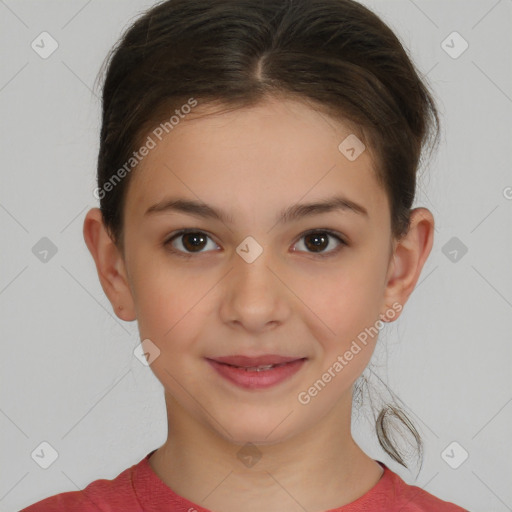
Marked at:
<point>318,469</point>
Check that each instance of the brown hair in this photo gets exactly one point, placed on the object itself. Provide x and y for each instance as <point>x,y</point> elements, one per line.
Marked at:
<point>334,54</point>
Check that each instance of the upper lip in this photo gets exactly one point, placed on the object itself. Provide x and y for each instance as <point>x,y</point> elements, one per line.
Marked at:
<point>248,362</point>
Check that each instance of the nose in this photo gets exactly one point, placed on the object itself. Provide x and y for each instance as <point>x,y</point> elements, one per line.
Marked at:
<point>254,296</point>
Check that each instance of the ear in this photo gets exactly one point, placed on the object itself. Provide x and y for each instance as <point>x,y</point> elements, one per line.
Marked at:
<point>109,264</point>
<point>409,255</point>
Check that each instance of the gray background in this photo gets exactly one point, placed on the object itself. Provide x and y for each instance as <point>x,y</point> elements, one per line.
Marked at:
<point>69,376</point>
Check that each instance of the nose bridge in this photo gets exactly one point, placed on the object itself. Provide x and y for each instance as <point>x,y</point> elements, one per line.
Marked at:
<point>252,267</point>
<point>255,296</point>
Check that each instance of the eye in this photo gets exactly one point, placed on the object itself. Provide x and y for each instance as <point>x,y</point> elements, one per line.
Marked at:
<point>193,241</point>
<point>318,239</point>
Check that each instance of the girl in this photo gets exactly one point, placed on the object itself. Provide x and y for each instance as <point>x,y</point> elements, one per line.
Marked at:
<point>256,172</point>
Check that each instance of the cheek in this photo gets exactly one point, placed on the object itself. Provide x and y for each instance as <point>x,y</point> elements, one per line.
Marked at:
<point>165,302</point>
<point>174,310</point>
<point>342,315</point>
<point>343,302</point>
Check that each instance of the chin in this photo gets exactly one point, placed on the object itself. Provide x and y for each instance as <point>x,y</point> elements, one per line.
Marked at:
<point>255,428</point>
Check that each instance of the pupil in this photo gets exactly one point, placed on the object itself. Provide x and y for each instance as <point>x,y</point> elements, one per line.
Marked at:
<point>317,244</point>
<point>198,240</point>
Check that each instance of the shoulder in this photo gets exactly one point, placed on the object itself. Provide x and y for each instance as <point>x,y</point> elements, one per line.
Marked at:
<point>99,496</point>
<point>410,498</point>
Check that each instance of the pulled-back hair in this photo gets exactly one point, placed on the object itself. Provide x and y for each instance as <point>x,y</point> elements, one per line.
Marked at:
<point>334,54</point>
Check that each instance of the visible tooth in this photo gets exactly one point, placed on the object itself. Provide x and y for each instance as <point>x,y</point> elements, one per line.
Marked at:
<point>259,368</point>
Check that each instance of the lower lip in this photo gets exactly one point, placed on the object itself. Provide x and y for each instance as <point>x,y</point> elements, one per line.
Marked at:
<point>257,380</point>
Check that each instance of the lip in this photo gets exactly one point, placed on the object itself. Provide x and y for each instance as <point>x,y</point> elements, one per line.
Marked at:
<point>252,379</point>
<point>247,362</point>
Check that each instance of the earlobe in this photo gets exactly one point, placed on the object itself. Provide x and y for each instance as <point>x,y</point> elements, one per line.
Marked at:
<point>409,256</point>
<point>109,265</point>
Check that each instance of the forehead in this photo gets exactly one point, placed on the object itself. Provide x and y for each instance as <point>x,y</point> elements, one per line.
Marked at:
<point>255,159</point>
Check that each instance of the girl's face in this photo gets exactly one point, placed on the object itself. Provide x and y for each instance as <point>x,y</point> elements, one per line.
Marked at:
<point>248,282</point>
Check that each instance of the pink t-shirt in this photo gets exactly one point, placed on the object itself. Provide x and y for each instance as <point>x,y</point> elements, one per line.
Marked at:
<point>139,489</point>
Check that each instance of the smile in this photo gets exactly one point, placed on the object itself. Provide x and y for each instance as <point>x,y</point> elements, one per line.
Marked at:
<point>257,377</point>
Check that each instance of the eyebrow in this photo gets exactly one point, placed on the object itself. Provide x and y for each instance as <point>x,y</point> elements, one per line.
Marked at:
<point>290,214</point>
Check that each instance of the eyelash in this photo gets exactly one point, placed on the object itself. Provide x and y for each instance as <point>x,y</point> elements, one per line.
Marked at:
<point>167,243</point>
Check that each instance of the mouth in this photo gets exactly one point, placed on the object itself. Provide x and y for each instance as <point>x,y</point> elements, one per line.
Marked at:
<point>256,372</point>
<point>253,363</point>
